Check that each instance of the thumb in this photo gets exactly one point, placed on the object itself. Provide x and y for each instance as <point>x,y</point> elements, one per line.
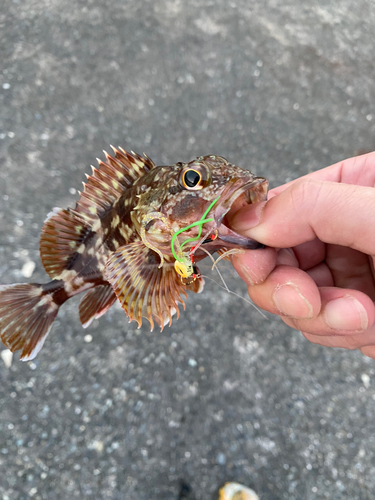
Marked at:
<point>336,213</point>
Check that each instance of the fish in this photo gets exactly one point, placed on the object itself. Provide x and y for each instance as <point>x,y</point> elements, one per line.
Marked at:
<point>135,236</point>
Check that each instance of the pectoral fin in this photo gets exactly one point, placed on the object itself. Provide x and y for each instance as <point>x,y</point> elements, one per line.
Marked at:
<point>144,289</point>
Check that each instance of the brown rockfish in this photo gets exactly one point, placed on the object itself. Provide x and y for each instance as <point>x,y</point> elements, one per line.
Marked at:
<point>135,236</point>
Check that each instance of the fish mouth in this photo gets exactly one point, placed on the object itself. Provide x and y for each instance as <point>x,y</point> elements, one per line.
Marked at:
<point>241,194</point>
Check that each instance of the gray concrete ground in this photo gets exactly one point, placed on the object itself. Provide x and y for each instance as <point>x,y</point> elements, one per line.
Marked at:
<point>281,88</point>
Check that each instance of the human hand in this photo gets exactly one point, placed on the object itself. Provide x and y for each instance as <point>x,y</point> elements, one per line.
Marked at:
<point>318,273</point>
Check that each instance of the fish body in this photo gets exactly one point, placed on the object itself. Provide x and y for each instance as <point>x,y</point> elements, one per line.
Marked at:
<point>134,221</point>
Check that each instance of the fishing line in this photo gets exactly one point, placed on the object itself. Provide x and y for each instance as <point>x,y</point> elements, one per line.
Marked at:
<point>200,242</point>
<point>199,223</point>
<point>225,287</point>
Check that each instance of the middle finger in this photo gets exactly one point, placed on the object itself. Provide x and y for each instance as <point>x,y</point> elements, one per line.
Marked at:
<point>287,291</point>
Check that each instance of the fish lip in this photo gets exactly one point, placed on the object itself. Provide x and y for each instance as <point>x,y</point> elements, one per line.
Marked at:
<point>255,191</point>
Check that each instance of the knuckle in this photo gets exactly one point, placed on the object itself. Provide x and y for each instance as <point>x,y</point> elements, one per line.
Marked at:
<point>359,170</point>
<point>316,202</point>
<point>306,193</point>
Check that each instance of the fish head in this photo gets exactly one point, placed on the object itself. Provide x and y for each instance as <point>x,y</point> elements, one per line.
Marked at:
<point>177,199</point>
<point>201,182</point>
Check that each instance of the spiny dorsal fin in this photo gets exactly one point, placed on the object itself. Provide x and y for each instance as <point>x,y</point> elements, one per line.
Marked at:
<point>142,288</point>
<point>62,236</point>
<point>110,180</point>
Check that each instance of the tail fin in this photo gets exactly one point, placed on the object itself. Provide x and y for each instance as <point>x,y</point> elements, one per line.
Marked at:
<point>26,315</point>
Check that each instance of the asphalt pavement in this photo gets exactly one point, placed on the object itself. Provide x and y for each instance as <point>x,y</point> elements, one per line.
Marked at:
<point>113,412</point>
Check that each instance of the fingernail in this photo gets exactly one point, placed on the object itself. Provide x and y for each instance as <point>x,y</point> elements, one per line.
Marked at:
<point>248,218</point>
<point>290,302</point>
<point>346,314</point>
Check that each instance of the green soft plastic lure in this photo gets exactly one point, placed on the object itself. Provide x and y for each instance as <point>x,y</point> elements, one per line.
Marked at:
<point>184,262</point>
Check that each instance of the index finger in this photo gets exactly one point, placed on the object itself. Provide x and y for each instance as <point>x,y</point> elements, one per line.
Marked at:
<point>359,170</point>
<point>309,209</point>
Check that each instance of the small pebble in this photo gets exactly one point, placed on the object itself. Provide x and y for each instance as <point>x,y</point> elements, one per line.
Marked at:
<point>7,357</point>
<point>366,380</point>
<point>28,269</point>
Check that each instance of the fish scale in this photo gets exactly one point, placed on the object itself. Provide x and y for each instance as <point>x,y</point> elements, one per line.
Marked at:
<point>113,247</point>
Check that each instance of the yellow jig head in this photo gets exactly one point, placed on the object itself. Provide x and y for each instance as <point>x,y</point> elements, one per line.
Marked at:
<point>184,265</point>
<point>184,268</point>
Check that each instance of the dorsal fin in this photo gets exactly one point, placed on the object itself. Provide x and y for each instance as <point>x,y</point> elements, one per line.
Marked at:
<point>110,180</point>
<point>63,233</point>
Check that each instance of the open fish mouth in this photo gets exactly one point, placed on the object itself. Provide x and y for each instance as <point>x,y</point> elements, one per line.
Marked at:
<point>252,191</point>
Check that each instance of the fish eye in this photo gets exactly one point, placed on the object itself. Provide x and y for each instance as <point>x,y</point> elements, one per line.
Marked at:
<point>195,178</point>
<point>191,178</point>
